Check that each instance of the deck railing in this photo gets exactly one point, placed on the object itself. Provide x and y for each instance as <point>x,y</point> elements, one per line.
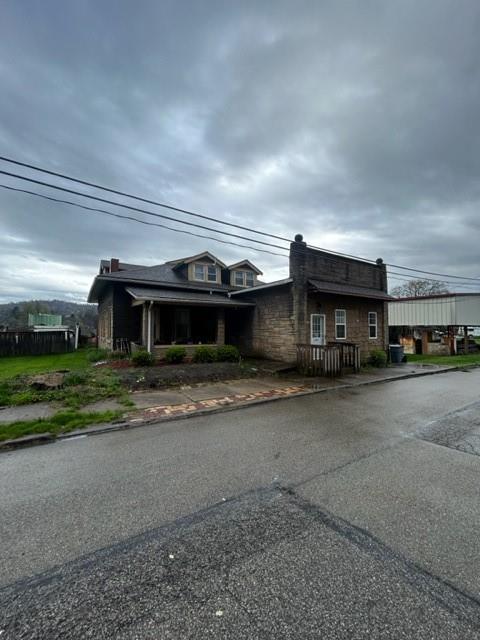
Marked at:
<point>328,360</point>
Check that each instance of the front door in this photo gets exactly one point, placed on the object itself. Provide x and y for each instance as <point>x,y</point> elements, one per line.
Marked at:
<point>317,329</point>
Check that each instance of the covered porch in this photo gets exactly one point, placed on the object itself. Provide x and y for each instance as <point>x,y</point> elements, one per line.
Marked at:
<point>182,318</point>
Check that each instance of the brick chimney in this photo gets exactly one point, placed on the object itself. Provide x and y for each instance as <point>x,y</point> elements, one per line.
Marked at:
<point>114,264</point>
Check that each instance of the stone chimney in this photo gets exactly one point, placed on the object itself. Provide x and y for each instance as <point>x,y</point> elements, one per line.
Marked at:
<point>114,264</point>
<point>298,258</point>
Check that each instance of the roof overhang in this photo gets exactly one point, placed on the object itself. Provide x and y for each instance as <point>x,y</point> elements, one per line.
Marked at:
<point>260,287</point>
<point>247,263</point>
<point>199,256</point>
<point>348,290</point>
<point>169,296</point>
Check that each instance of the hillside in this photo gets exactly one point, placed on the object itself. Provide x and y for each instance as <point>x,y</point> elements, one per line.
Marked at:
<point>14,315</point>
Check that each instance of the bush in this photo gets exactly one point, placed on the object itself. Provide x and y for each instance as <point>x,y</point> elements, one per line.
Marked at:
<point>377,358</point>
<point>175,355</point>
<point>75,378</point>
<point>228,353</point>
<point>117,355</point>
<point>95,355</point>
<point>204,354</point>
<point>143,358</point>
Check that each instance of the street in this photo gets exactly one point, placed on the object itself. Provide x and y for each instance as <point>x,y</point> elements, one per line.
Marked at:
<point>348,514</point>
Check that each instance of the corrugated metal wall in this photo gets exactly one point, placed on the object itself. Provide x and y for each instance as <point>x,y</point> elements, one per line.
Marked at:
<point>417,313</point>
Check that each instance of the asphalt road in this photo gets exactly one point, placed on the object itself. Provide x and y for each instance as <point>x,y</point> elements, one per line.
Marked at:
<point>351,514</point>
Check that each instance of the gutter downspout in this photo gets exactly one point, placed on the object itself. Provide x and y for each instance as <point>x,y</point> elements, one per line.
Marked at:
<point>149,327</point>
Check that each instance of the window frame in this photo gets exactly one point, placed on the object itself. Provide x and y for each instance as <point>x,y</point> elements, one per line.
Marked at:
<point>205,273</point>
<point>373,324</point>
<point>212,266</point>
<point>243,274</point>
<point>341,324</point>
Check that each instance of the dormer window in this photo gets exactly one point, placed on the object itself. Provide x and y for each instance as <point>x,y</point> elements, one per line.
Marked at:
<point>205,272</point>
<point>244,279</point>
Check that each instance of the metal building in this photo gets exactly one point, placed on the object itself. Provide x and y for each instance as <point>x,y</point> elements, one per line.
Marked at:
<point>430,324</point>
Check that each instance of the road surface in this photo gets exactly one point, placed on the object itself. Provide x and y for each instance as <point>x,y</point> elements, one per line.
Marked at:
<point>348,514</point>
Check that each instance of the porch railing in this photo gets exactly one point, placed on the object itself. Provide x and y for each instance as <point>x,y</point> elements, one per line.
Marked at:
<point>328,360</point>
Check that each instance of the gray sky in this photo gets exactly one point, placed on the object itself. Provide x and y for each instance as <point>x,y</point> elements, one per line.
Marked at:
<point>354,123</point>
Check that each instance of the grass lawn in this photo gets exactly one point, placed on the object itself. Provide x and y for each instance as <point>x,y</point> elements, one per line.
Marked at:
<point>61,422</point>
<point>471,358</point>
<point>30,365</point>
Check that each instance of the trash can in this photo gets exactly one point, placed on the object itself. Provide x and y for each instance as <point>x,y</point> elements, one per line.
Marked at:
<point>396,353</point>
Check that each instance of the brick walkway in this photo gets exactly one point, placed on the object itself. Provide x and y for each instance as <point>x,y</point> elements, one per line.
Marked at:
<point>169,410</point>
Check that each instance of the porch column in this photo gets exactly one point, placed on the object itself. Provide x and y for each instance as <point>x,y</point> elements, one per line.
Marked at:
<point>147,325</point>
<point>220,326</point>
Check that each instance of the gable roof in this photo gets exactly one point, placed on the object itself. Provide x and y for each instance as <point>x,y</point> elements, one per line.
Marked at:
<point>198,256</point>
<point>249,264</point>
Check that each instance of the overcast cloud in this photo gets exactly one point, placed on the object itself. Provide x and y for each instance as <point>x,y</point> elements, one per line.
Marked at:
<point>354,123</point>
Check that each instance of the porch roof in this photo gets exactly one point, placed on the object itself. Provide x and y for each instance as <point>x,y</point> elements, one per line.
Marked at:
<point>348,290</point>
<point>170,296</point>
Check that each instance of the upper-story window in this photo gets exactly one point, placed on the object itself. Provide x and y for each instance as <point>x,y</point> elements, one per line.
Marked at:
<point>244,279</point>
<point>205,272</point>
<point>372,324</point>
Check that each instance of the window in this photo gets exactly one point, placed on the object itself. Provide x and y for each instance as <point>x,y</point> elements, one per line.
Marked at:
<point>244,279</point>
<point>340,324</point>
<point>212,273</point>
<point>372,324</point>
<point>199,273</point>
<point>205,272</point>
<point>239,278</point>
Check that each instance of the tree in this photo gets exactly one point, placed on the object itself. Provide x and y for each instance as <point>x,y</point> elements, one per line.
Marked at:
<point>416,288</point>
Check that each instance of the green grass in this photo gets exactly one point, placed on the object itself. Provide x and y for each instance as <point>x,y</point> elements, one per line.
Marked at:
<point>61,422</point>
<point>471,358</point>
<point>30,365</point>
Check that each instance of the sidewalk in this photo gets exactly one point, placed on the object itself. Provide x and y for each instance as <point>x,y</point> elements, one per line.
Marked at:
<point>198,399</point>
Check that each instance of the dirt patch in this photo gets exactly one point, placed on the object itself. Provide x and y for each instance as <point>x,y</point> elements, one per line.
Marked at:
<point>181,374</point>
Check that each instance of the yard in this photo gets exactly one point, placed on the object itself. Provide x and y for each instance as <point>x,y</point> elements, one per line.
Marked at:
<point>453,361</point>
<point>71,383</point>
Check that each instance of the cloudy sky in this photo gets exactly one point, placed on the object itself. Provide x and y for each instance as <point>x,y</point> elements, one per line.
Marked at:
<point>354,123</point>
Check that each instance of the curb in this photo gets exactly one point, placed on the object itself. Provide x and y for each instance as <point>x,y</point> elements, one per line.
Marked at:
<point>46,438</point>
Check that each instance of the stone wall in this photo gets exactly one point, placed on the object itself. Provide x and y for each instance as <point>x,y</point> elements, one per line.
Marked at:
<point>357,310</point>
<point>269,328</point>
<point>105,321</point>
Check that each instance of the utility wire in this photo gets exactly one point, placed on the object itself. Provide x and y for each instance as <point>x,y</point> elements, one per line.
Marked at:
<point>141,199</point>
<point>210,218</point>
<point>133,219</point>
<point>145,211</point>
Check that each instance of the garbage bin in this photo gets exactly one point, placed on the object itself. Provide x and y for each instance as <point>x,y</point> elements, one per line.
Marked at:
<point>396,353</point>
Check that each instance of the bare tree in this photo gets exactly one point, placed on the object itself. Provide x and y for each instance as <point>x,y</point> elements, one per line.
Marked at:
<point>416,288</point>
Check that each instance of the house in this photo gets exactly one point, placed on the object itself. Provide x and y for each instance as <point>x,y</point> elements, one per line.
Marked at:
<point>200,300</point>
<point>430,324</point>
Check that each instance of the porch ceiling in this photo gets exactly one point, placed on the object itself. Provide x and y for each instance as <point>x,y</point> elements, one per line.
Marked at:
<point>169,296</point>
<point>348,290</point>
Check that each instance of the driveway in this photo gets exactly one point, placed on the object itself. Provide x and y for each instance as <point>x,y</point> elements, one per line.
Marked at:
<point>340,515</point>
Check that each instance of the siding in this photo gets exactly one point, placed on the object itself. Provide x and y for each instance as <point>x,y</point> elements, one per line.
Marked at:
<point>431,312</point>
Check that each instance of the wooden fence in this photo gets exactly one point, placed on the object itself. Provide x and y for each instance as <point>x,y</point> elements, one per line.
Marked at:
<point>329,360</point>
<point>33,343</point>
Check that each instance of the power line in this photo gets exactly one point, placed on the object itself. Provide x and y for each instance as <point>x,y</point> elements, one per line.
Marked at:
<point>133,219</point>
<point>145,211</point>
<point>198,215</point>
<point>140,198</point>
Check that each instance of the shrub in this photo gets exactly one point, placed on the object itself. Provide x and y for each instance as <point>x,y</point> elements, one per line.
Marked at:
<point>95,355</point>
<point>377,358</point>
<point>175,355</point>
<point>75,378</point>
<point>117,355</point>
<point>204,354</point>
<point>143,358</point>
<point>228,353</point>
